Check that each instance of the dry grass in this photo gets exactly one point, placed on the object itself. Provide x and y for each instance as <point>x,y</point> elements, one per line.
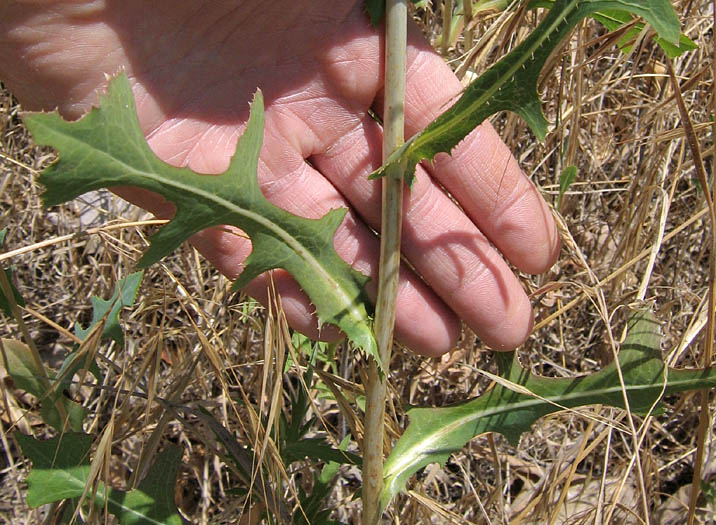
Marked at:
<point>191,342</point>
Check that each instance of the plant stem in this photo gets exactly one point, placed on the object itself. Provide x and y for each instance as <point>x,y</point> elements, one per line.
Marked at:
<point>467,13</point>
<point>447,27</point>
<point>708,348</point>
<point>391,221</point>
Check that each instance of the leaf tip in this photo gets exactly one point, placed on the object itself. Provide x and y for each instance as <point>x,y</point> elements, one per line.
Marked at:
<point>375,10</point>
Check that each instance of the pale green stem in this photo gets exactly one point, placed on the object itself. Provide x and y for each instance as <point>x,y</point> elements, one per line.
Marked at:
<point>392,206</point>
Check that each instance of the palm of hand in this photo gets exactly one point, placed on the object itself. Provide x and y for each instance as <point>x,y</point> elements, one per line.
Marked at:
<point>195,67</point>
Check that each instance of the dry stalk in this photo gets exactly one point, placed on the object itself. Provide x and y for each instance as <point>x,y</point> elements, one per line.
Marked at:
<point>704,415</point>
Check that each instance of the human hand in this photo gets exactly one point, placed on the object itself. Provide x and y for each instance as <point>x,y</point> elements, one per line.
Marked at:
<point>194,67</point>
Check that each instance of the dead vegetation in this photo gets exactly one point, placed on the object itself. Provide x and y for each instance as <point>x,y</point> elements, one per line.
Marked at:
<point>634,230</point>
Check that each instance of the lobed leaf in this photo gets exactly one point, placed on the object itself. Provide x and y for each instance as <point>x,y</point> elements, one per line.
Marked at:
<point>125,293</point>
<point>61,467</point>
<point>105,312</point>
<point>520,397</point>
<point>106,148</point>
<point>511,84</point>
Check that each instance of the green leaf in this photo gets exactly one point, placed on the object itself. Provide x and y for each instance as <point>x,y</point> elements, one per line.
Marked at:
<point>312,507</point>
<point>613,20</point>
<point>153,500</point>
<point>520,397</point>
<point>22,367</point>
<point>125,293</point>
<point>317,448</point>
<point>27,375</point>
<point>76,413</point>
<point>245,461</point>
<point>294,445</point>
<point>511,84</point>
<point>673,51</point>
<point>566,178</point>
<point>708,491</point>
<point>376,9</point>
<point>106,148</point>
<point>106,312</point>
<point>61,467</point>
<point>4,301</point>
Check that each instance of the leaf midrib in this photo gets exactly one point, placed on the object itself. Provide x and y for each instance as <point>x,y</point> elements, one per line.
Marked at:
<point>302,251</point>
<point>502,79</point>
<point>408,458</point>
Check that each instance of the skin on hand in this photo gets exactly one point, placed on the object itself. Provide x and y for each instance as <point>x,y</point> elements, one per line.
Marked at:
<point>195,65</point>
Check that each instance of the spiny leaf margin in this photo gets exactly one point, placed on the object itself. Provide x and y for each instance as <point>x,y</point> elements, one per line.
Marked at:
<point>511,84</point>
<point>107,148</point>
<point>435,433</point>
